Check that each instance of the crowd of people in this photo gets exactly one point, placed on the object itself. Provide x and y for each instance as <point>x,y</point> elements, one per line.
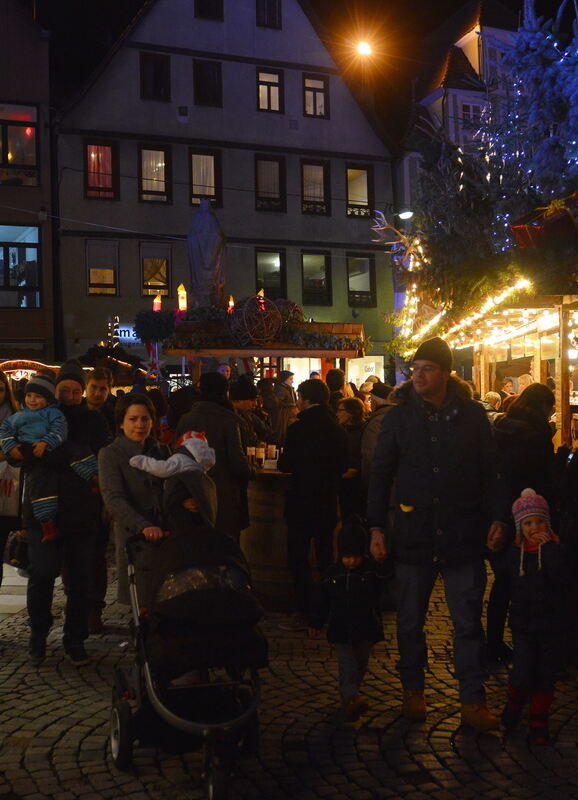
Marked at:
<point>422,480</point>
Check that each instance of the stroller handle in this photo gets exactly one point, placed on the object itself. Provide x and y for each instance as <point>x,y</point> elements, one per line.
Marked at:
<point>137,538</point>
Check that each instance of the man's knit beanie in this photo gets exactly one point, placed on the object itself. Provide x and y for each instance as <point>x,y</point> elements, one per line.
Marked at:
<point>213,386</point>
<point>42,385</point>
<point>353,538</point>
<point>435,350</point>
<point>71,371</point>
<point>530,504</point>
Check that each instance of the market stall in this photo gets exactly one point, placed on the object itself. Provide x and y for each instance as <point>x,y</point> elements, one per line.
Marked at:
<point>536,336</point>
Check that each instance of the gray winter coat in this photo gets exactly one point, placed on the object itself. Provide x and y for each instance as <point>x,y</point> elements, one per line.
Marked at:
<point>132,497</point>
<point>231,471</point>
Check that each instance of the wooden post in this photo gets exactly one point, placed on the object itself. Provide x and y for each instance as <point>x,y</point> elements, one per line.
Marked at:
<point>564,410</point>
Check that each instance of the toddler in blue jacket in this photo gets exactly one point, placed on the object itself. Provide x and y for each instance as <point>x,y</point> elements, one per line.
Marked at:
<point>41,429</point>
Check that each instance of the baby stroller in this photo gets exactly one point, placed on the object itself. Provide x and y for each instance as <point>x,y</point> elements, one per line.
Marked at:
<point>195,683</point>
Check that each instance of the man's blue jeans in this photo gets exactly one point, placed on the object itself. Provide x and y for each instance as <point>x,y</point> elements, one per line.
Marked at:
<point>464,590</point>
<point>46,560</point>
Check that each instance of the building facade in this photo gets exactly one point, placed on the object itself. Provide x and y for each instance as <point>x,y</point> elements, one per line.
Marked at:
<point>238,101</point>
<point>26,279</point>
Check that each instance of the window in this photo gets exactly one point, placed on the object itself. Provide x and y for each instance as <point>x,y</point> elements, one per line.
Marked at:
<point>316,269</point>
<point>155,77</point>
<point>18,146</point>
<point>205,176</point>
<point>471,113</point>
<point>209,9</point>
<point>359,191</point>
<point>19,267</point>
<point>315,187</point>
<point>207,83</point>
<point>269,13</point>
<point>271,273</point>
<point>101,170</point>
<point>154,174</point>
<point>316,96</point>
<point>102,266</point>
<point>155,262</point>
<point>270,90</point>
<point>361,280</point>
<point>269,184</point>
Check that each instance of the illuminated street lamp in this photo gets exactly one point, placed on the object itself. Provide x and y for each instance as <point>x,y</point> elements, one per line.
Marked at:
<point>364,49</point>
<point>407,214</point>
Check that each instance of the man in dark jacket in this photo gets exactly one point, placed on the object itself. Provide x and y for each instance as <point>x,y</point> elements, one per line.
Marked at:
<point>78,521</point>
<point>316,456</point>
<point>437,444</point>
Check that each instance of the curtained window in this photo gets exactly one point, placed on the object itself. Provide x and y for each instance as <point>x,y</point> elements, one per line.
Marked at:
<point>101,175</point>
<point>269,13</point>
<point>315,187</point>
<point>102,266</point>
<point>154,174</point>
<point>155,263</point>
<point>205,179</point>
<point>269,184</point>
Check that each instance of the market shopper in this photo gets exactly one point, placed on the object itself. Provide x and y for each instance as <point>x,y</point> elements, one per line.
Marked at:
<point>214,415</point>
<point>437,445</point>
<point>380,404</point>
<point>315,455</point>
<point>286,404</point>
<point>347,601</point>
<point>77,520</point>
<point>526,458</point>
<point>133,498</point>
<point>539,616</point>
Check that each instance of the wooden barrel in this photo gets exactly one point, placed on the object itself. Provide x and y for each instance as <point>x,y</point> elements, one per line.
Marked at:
<point>264,543</point>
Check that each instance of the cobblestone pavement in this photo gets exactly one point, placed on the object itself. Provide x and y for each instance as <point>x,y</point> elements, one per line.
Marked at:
<point>54,726</point>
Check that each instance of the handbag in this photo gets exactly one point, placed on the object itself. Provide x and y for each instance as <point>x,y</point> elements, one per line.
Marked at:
<point>9,490</point>
<point>16,550</point>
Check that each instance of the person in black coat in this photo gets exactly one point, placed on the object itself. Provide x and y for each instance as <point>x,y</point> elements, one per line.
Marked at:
<point>316,456</point>
<point>347,600</point>
<point>526,458</point>
<point>538,614</point>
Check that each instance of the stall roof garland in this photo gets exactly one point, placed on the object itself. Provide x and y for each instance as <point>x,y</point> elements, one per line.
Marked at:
<point>409,255</point>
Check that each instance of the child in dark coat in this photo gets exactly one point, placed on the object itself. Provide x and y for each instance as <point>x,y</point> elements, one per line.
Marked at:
<point>537,615</point>
<point>348,600</point>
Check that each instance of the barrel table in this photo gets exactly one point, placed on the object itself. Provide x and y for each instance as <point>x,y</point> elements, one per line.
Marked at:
<point>264,542</point>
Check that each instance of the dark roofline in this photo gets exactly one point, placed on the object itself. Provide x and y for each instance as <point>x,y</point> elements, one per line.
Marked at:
<point>320,29</point>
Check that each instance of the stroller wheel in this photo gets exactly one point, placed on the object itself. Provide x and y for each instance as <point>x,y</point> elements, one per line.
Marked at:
<point>217,775</point>
<point>120,734</point>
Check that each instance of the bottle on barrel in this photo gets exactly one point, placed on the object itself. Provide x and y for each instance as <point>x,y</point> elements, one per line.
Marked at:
<point>260,456</point>
<point>251,456</point>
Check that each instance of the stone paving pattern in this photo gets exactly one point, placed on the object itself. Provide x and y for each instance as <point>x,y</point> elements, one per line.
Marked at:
<point>54,728</point>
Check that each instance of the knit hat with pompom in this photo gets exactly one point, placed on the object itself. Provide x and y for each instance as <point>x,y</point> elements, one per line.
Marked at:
<point>530,504</point>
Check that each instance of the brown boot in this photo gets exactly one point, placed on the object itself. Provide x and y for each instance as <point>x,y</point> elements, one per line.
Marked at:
<point>478,716</point>
<point>413,706</point>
